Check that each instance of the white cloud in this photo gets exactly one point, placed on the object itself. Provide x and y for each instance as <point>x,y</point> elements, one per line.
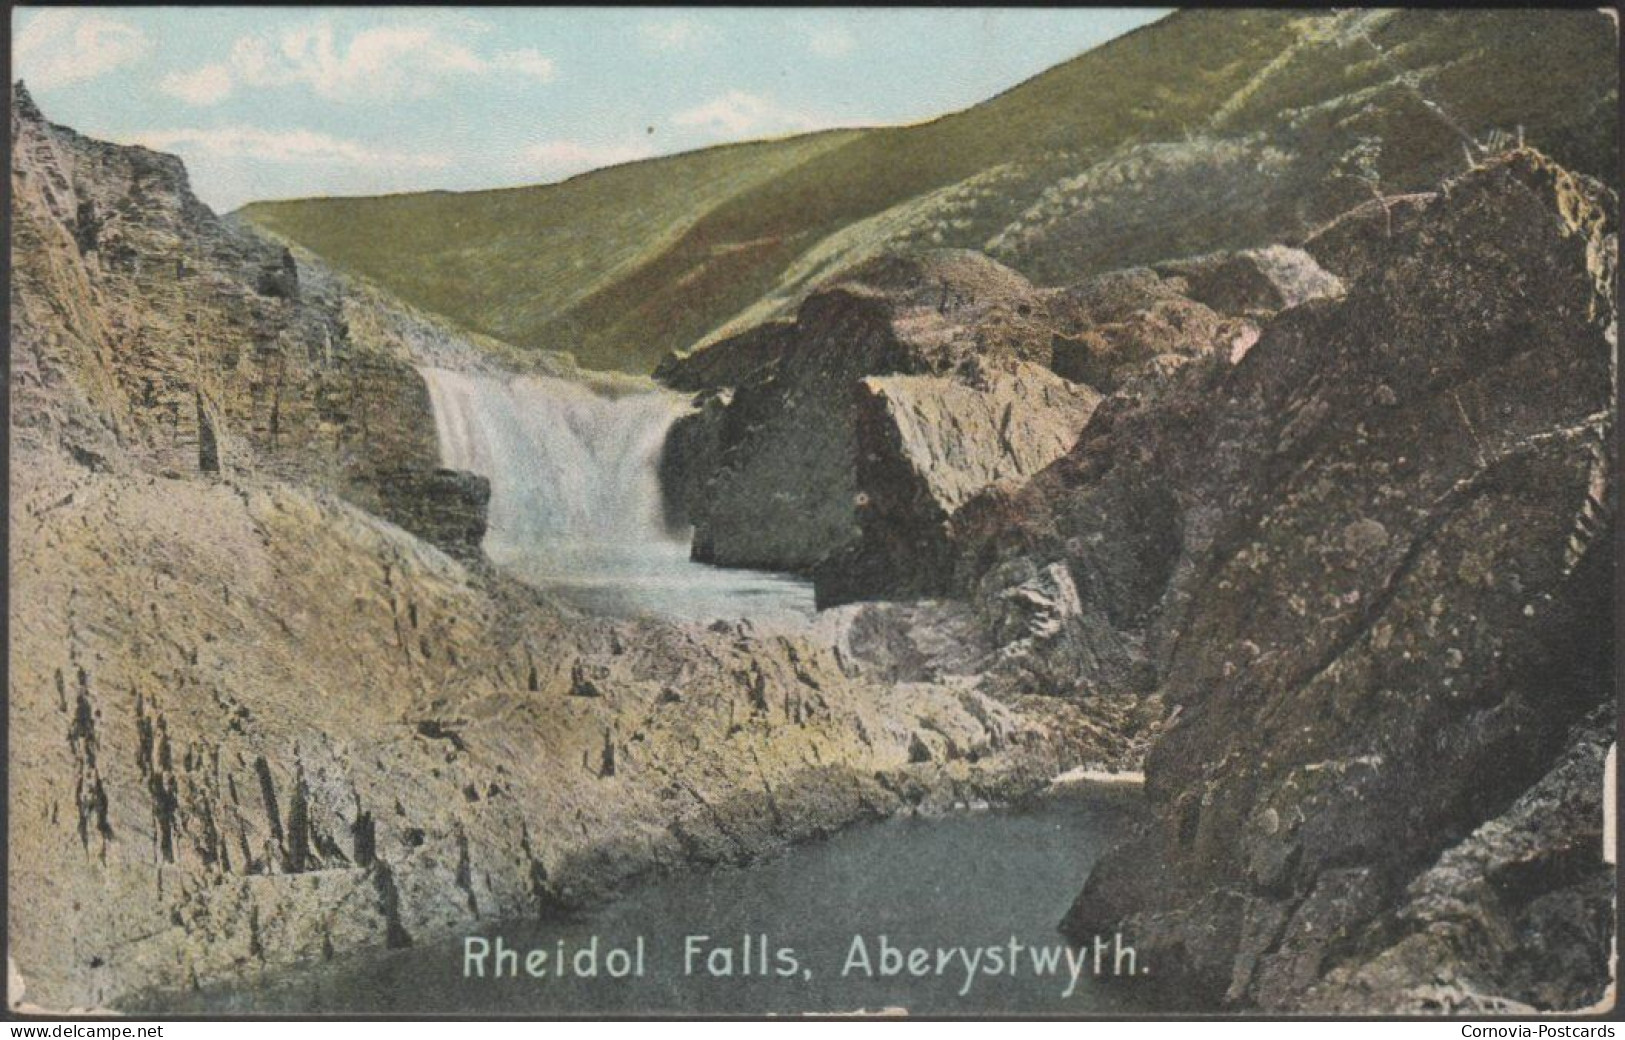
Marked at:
<point>673,34</point>
<point>387,62</point>
<point>739,114</point>
<point>209,85</point>
<point>60,46</point>
<point>281,146</point>
<point>832,41</point>
<point>527,61</point>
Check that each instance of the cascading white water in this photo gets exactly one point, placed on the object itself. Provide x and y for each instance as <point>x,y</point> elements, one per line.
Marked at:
<point>575,497</point>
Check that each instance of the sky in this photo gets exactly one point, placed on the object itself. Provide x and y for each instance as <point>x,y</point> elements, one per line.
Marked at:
<point>288,102</point>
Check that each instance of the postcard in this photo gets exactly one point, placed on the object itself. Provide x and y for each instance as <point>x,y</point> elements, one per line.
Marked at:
<point>667,512</point>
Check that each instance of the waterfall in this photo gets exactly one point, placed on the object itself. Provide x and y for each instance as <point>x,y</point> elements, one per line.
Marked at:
<point>566,465</point>
<point>576,503</point>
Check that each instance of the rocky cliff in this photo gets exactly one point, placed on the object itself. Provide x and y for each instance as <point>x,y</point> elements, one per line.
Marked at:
<point>267,702</point>
<point>146,331</point>
<point>1370,569</point>
<point>1341,523</point>
<point>844,444</point>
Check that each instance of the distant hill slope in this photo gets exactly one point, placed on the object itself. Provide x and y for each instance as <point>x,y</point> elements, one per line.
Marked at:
<point>1208,129</point>
<point>513,262</point>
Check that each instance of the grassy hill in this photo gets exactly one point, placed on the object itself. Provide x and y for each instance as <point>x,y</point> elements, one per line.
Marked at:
<point>513,262</point>
<point>1207,129</point>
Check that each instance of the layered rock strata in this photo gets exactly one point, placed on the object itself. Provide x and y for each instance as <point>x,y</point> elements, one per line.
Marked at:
<point>1372,576</point>
<point>147,330</point>
<point>267,702</point>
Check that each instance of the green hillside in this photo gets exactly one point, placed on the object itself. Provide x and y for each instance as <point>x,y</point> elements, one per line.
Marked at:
<point>1207,129</point>
<point>512,263</point>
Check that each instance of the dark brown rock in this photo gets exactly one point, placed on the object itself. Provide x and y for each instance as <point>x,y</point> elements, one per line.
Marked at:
<point>1389,596</point>
<point>1113,326</point>
<point>444,507</point>
<point>727,362</point>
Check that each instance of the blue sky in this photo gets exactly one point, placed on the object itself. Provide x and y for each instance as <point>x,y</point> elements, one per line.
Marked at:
<point>280,102</point>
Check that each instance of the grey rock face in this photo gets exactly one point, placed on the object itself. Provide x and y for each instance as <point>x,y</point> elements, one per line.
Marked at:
<point>782,488</point>
<point>727,363</point>
<point>1364,239</point>
<point>925,445</point>
<point>691,456</point>
<point>146,327</point>
<point>1517,915</point>
<point>1387,595</point>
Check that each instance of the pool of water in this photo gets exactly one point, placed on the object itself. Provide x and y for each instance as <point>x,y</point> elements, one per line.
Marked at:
<point>971,881</point>
<point>657,579</point>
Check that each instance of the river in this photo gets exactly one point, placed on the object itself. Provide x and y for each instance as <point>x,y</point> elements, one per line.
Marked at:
<point>968,879</point>
<point>576,508</point>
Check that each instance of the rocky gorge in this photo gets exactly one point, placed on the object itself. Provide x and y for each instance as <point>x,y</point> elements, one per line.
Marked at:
<point>268,702</point>
<point>1385,614</point>
<point>1342,512</point>
<point>1318,532</point>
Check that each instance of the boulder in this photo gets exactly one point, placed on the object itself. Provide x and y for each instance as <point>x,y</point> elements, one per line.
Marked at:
<point>925,445</point>
<point>1116,324</point>
<point>778,480</point>
<point>444,507</point>
<point>1253,281</point>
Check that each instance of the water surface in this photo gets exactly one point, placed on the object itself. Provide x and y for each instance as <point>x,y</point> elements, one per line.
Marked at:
<point>971,879</point>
